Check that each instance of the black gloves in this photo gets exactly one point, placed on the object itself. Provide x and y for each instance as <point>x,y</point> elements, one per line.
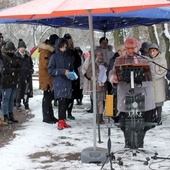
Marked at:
<point>85,75</point>
<point>32,71</point>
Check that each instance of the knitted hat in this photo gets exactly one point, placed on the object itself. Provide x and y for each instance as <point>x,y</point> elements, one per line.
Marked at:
<point>154,46</point>
<point>21,43</point>
<point>120,47</point>
<point>132,41</point>
<point>3,43</point>
<point>98,50</point>
<point>10,46</point>
<point>53,38</point>
<point>7,40</point>
<point>67,36</point>
<point>145,45</point>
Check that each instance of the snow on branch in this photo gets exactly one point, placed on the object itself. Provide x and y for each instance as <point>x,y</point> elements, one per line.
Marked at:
<point>166,32</point>
<point>156,34</point>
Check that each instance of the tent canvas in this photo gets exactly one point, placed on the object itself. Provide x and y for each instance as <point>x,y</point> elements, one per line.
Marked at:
<point>105,22</point>
<point>54,8</point>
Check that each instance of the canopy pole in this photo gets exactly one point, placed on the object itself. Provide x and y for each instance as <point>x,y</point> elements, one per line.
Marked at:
<point>93,154</point>
<point>94,76</point>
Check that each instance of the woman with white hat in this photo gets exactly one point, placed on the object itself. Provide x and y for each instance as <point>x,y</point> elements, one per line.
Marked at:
<point>160,82</point>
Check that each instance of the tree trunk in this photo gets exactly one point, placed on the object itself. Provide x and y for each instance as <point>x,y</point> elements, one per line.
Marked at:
<point>136,32</point>
<point>118,37</point>
<point>152,34</point>
<point>167,45</point>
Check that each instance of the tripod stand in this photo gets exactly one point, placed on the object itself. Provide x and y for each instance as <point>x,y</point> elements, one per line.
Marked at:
<point>110,155</point>
<point>133,123</point>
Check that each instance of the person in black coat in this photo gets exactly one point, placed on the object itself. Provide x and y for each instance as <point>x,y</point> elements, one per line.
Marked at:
<point>59,68</point>
<point>76,92</point>
<point>111,63</point>
<point>25,89</point>
<point>10,78</point>
<point>2,43</point>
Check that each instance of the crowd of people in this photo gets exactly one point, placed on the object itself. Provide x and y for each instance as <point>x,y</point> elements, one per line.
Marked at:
<point>58,57</point>
<point>16,69</point>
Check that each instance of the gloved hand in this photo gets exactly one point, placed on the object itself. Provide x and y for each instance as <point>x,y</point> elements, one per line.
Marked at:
<point>32,71</point>
<point>85,75</point>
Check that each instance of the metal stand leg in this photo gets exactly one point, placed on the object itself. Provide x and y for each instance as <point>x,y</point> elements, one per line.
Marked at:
<point>98,124</point>
<point>110,155</point>
<point>155,157</point>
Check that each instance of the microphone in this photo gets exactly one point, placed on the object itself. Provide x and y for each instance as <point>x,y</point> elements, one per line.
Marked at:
<point>150,60</point>
<point>136,54</point>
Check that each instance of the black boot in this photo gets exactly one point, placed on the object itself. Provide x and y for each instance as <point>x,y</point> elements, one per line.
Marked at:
<point>53,119</point>
<point>7,119</point>
<point>69,109</point>
<point>11,118</point>
<point>47,108</point>
<point>81,99</point>
<point>48,119</point>
<point>90,111</point>
<point>159,115</point>
<point>27,107</point>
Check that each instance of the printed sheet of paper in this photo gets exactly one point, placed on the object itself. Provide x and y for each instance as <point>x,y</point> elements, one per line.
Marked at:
<point>102,74</point>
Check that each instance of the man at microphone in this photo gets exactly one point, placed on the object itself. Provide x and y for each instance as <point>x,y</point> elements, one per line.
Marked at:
<point>132,47</point>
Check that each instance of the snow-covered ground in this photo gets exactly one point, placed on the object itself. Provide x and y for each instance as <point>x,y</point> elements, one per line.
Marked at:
<point>42,146</point>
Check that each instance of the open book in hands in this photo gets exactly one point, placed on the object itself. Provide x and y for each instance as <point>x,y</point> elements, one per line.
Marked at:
<point>72,75</point>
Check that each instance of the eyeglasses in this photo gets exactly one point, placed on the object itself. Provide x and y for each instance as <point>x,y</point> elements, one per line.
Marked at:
<point>121,50</point>
<point>104,42</point>
<point>130,48</point>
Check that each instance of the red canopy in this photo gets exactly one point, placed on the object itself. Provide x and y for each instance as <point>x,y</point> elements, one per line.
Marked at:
<point>55,8</point>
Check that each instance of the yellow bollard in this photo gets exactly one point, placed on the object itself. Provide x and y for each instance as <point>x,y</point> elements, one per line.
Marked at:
<point>109,105</point>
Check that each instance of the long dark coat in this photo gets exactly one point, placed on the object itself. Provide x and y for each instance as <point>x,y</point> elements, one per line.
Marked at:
<point>25,78</point>
<point>76,93</point>
<point>1,67</point>
<point>10,71</point>
<point>58,64</point>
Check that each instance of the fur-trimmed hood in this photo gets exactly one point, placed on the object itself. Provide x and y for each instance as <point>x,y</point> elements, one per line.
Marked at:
<point>44,46</point>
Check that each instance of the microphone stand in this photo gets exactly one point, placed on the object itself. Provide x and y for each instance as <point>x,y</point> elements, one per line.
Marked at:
<point>136,54</point>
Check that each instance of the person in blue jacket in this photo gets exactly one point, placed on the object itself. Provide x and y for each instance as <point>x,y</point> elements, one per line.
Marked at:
<point>59,66</point>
